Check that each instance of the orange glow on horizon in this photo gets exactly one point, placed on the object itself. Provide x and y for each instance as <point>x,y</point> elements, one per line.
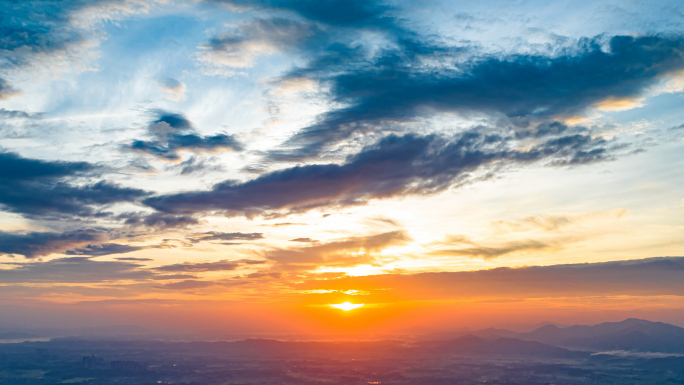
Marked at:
<point>347,306</point>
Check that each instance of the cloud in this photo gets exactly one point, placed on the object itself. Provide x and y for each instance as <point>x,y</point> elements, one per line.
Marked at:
<point>55,199</point>
<point>620,104</point>
<point>173,89</point>
<point>223,265</point>
<point>189,284</point>
<point>40,35</point>
<point>489,252</point>
<point>651,276</point>
<point>196,166</point>
<point>14,114</point>
<point>218,236</point>
<point>158,221</point>
<point>240,48</point>
<point>38,188</point>
<point>17,168</point>
<point>6,91</point>
<point>305,240</point>
<point>351,13</point>
<point>73,270</point>
<point>316,27</point>
<point>34,29</point>
<point>395,166</point>
<point>397,87</point>
<point>173,133</point>
<point>553,222</point>
<point>104,249</point>
<point>192,284</point>
<point>265,275</point>
<point>320,30</point>
<point>401,75</point>
<point>37,244</point>
<point>134,259</point>
<point>345,252</point>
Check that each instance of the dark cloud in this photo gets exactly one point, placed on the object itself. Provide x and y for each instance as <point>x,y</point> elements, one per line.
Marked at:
<point>15,114</point>
<point>396,87</point>
<point>414,75</point>
<point>192,284</point>
<point>39,26</point>
<point>46,33</point>
<point>73,270</point>
<point>6,91</point>
<point>218,236</point>
<point>36,244</point>
<point>170,83</point>
<point>189,284</point>
<point>264,275</point>
<point>29,28</point>
<point>55,199</point>
<point>175,89</point>
<point>349,13</point>
<point>38,188</point>
<point>168,277</point>
<point>651,276</point>
<point>172,133</point>
<point>104,249</point>
<point>224,265</point>
<point>196,165</point>
<point>396,166</point>
<point>159,221</point>
<point>240,48</point>
<point>133,259</point>
<point>305,240</point>
<point>84,269</point>
<point>17,168</point>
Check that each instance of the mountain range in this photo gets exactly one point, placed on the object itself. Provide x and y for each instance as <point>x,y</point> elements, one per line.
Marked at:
<point>631,336</point>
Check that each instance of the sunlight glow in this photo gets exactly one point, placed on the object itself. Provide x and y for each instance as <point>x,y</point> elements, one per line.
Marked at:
<point>346,306</point>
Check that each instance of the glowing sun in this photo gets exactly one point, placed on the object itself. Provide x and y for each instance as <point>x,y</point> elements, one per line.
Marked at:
<point>346,306</point>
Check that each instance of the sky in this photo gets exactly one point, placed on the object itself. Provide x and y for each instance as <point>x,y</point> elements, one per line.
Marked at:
<point>238,166</point>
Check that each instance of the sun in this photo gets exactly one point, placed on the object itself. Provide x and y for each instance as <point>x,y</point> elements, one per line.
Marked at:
<point>346,306</point>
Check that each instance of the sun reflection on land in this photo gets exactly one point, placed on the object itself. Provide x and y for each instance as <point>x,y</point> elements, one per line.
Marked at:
<point>346,306</point>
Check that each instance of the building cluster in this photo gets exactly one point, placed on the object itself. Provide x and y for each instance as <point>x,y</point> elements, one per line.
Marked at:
<point>92,362</point>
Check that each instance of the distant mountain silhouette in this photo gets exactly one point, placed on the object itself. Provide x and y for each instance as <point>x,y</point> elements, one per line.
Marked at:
<point>465,346</point>
<point>547,341</point>
<point>631,334</point>
<point>489,333</point>
<point>471,345</point>
<point>270,348</point>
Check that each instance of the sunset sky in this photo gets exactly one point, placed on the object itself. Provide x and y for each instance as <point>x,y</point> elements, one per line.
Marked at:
<point>239,166</point>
